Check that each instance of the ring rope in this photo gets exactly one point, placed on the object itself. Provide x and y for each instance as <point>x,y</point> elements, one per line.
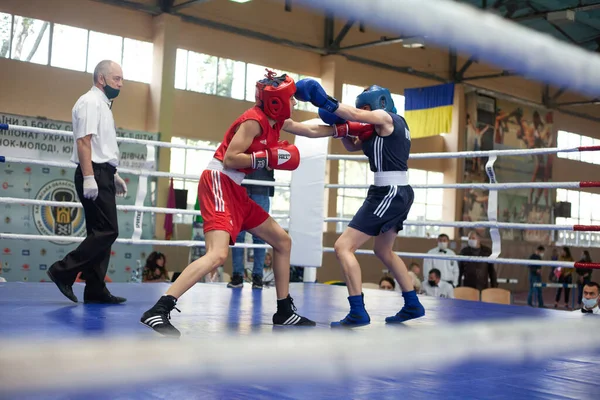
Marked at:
<point>193,243</point>
<point>416,156</point>
<point>138,172</point>
<point>487,224</point>
<point>98,363</point>
<point>484,186</point>
<point>458,224</point>
<point>469,30</point>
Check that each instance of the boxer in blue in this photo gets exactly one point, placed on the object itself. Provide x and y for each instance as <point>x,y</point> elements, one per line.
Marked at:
<point>373,127</point>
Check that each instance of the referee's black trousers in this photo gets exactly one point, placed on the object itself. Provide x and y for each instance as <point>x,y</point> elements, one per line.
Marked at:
<point>92,256</point>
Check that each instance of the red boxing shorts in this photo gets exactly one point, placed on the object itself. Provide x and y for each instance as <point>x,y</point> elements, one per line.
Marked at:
<point>225,205</point>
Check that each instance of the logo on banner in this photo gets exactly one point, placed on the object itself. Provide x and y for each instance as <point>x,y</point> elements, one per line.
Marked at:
<point>24,252</point>
<point>43,267</point>
<point>58,221</point>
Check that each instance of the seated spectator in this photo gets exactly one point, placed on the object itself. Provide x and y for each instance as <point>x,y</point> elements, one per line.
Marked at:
<point>591,293</point>
<point>436,287</point>
<point>387,283</point>
<point>155,269</point>
<point>584,275</point>
<point>415,271</point>
<point>268,276</point>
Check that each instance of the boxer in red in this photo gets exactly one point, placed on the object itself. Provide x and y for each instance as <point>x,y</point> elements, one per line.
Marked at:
<point>252,142</point>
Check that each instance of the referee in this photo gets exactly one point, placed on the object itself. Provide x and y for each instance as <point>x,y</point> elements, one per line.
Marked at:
<point>96,152</point>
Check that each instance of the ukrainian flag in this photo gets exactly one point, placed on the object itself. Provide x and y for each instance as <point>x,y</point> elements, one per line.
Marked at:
<point>428,110</point>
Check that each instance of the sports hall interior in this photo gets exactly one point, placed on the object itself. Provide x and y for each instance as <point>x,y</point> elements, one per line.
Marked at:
<point>286,37</point>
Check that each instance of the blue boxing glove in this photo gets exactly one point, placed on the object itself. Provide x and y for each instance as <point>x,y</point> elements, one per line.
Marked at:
<point>330,118</point>
<point>310,90</point>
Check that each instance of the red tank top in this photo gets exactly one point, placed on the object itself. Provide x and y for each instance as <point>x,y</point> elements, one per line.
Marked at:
<point>268,138</point>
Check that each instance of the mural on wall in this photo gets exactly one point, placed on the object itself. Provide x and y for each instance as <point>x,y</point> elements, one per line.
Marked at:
<point>23,260</point>
<point>497,124</point>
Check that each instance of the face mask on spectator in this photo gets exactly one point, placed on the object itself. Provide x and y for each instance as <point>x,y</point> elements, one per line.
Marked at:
<point>589,303</point>
<point>472,243</point>
<point>443,245</point>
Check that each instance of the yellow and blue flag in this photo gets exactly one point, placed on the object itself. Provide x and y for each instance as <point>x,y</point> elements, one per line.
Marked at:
<point>428,110</point>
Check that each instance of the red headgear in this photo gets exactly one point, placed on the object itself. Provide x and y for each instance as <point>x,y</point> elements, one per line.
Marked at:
<point>273,95</point>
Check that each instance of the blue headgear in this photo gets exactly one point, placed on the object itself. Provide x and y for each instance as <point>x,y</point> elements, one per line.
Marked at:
<point>377,97</point>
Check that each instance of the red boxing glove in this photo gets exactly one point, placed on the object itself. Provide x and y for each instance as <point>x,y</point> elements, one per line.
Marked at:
<point>283,156</point>
<point>354,129</point>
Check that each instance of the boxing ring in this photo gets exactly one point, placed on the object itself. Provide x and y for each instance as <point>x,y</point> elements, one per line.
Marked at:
<point>53,349</point>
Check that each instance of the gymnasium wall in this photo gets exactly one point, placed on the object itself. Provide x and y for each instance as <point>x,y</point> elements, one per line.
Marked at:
<point>35,90</point>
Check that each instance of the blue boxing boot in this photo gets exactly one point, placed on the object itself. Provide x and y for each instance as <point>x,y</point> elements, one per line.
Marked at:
<point>412,309</point>
<point>358,315</point>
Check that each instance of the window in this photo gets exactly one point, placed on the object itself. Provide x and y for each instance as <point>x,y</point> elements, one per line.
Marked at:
<point>427,205</point>
<point>30,40</point>
<point>181,69</point>
<point>230,79</point>
<point>583,212</point>
<point>137,60</point>
<point>69,46</point>
<point>350,92</point>
<point>224,77</point>
<point>254,73</point>
<point>5,28</point>
<point>201,73</point>
<point>103,47</point>
<point>569,139</point>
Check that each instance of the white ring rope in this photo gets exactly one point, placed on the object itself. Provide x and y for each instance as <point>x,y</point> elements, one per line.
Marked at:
<point>314,354</point>
<point>139,172</point>
<point>193,243</point>
<point>476,154</point>
<point>472,31</point>
<point>483,186</point>
<point>487,224</point>
<point>161,210</point>
<point>458,224</point>
<point>416,156</point>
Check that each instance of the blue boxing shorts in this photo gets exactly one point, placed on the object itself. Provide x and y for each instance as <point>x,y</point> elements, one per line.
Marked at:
<point>385,208</point>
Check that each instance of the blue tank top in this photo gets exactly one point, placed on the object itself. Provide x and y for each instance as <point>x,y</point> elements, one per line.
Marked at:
<point>389,153</point>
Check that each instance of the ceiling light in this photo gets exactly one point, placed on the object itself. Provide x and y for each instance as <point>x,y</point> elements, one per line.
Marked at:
<point>240,1</point>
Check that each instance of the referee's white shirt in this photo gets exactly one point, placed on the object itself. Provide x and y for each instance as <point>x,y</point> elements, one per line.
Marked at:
<point>448,268</point>
<point>443,289</point>
<point>92,115</point>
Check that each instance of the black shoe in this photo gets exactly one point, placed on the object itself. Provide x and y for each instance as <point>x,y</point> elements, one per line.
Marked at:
<point>257,282</point>
<point>286,315</point>
<point>236,281</point>
<point>104,299</point>
<point>158,317</point>
<point>65,288</point>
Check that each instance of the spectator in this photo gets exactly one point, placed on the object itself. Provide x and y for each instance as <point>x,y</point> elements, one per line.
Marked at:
<point>414,271</point>
<point>535,276</point>
<point>268,277</point>
<point>591,291</point>
<point>436,287</point>
<point>448,268</point>
<point>554,273</point>
<point>475,274</point>
<point>565,276</point>
<point>387,283</point>
<point>155,269</point>
<point>584,275</point>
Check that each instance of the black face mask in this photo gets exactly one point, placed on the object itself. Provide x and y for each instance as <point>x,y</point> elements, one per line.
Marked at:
<point>110,92</point>
<point>432,283</point>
